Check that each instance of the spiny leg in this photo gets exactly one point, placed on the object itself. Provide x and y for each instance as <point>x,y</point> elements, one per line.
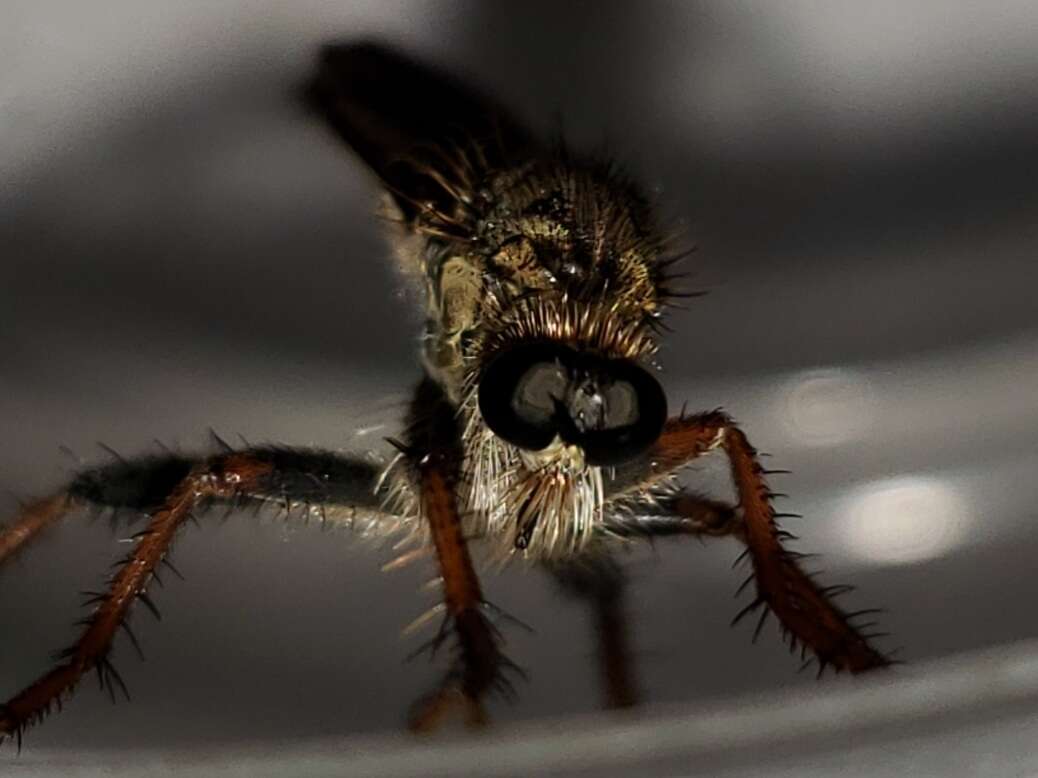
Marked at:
<point>287,476</point>
<point>127,585</point>
<point>434,448</point>
<point>803,608</point>
<point>137,484</point>
<point>598,579</point>
<point>479,660</point>
<point>336,485</point>
<point>32,519</point>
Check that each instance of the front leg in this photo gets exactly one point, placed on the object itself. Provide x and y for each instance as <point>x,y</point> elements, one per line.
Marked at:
<point>434,449</point>
<point>802,607</point>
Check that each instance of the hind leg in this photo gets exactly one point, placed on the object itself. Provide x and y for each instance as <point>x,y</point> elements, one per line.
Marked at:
<point>32,520</point>
<point>344,487</point>
<point>337,485</point>
<point>598,579</point>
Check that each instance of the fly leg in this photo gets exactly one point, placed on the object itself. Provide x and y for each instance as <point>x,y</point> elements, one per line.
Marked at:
<point>804,609</point>
<point>598,579</point>
<point>169,490</point>
<point>434,450</point>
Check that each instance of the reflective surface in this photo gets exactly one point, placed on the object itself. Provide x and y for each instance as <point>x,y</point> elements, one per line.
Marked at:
<point>973,715</point>
<point>184,250</point>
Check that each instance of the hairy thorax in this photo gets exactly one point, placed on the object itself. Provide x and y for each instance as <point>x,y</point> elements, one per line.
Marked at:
<point>553,231</point>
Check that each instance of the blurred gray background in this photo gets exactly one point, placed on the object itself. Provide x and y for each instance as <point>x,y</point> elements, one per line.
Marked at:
<point>182,248</point>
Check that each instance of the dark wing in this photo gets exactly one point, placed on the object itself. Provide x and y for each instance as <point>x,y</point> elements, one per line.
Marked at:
<point>430,139</point>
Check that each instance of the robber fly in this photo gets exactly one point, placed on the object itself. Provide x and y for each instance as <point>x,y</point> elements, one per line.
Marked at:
<point>538,431</point>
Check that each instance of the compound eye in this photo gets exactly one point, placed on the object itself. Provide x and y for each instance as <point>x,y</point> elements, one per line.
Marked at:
<point>538,391</point>
<point>633,412</point>
<point>612,409</point>
<point>519,391</point>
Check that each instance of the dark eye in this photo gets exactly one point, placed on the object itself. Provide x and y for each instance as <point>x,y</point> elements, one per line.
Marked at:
<point>612,409</point>
<point>518,391</point>
<point>538,391</point>
<point>634,409</point>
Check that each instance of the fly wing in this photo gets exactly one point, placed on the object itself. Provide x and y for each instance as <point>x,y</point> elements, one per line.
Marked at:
<point>430,139</point>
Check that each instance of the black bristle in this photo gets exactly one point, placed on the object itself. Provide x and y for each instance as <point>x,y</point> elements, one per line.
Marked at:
<point>147,601</point>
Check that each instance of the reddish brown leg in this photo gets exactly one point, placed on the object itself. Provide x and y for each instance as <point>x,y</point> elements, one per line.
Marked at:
<point>598,579</point>
<point>480,661</point>
<point>224,477</point>
<point>801,606</point>
<point>614,654</point>
<point>33,519</point>
<point>684,513</point>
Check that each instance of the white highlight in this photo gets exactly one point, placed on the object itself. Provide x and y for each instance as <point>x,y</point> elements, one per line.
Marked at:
<point>904,520</point>
<point>828,407</point>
